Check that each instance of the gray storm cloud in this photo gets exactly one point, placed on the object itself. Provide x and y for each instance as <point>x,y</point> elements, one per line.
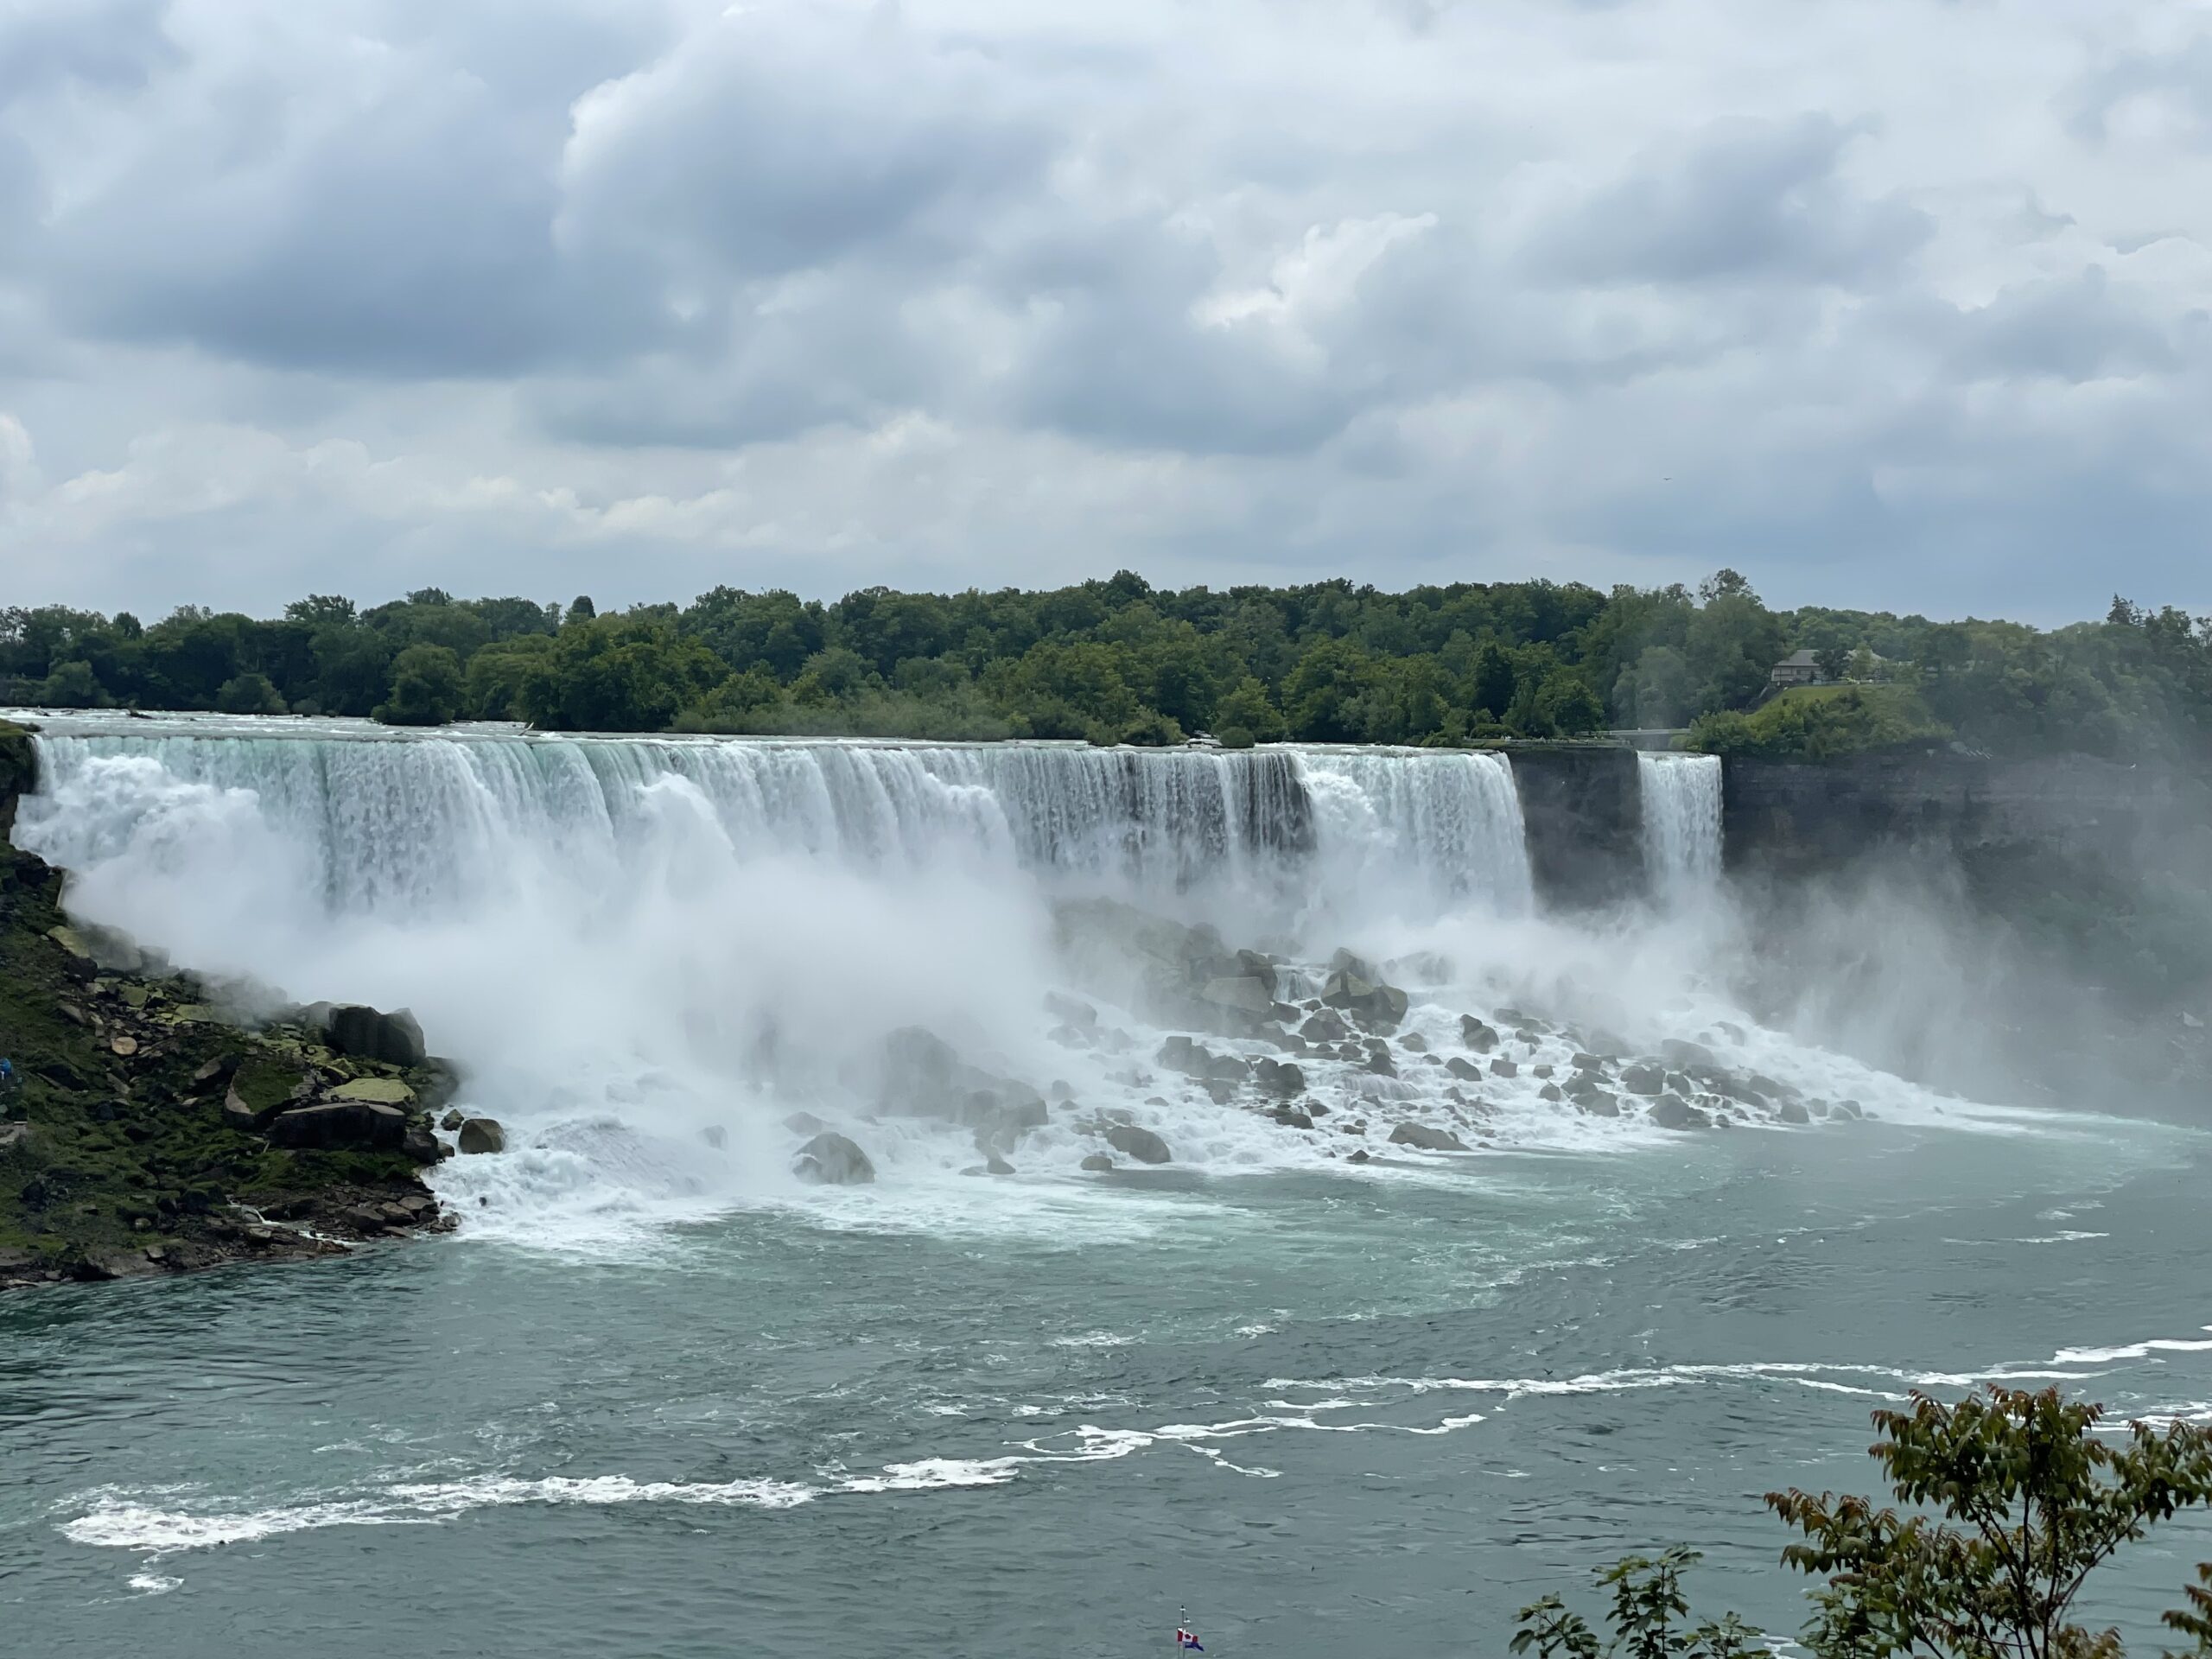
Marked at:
<point>1902,305</point>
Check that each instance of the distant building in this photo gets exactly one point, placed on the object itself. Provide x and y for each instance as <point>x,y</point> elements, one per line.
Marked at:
<point>1798,668</point>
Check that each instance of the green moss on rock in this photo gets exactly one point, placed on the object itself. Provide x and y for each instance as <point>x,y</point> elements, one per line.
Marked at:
<point>116,1154</point>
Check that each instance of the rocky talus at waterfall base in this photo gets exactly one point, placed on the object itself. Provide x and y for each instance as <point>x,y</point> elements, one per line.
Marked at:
<point>1243,1046</point>
<point>149,1127</point>
<point>162,1121</point>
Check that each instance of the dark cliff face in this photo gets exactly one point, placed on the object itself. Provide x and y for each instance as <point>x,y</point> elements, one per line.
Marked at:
<point>1799,817</point>
<point>18,773</point>
<point>2033,929</point>
<point>1584,810</point>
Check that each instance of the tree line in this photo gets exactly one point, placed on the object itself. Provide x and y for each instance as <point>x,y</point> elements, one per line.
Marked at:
<point>1118,660</point>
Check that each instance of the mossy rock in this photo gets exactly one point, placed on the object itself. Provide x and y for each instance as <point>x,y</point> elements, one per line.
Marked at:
<point>264,1083</point>
<point>383,1091</point>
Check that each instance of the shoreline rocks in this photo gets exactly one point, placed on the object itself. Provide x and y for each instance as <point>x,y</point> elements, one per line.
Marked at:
<point>151,1132</point>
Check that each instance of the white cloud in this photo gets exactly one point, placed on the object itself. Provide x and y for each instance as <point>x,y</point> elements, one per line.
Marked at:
<point>1902,305</point>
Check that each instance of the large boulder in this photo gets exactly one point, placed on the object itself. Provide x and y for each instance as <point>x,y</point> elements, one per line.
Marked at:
<point>1325,1025</point>
<point>921,1075</point>
<point>1141,1144</point>
<point>1244,994</point>
<point>1355,988</point>
<point>480,1134</point>
<point>830,1160</point>
<point>259,1088</point>
<point>1645,1079</point>
<point>389,1091</point>
<point>1673,1112</point>
<point>1179,1053</point>
<point>341,1126</point>
<point>1278,1077</point>
<point>1476,1035</point>
<point>1425,1139</point>
<point>394,1039</point>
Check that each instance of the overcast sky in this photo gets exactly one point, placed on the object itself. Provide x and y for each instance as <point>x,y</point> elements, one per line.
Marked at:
<point>1900,304</point>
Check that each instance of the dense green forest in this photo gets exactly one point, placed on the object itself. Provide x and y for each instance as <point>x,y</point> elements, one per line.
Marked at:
<point>1121,661</point>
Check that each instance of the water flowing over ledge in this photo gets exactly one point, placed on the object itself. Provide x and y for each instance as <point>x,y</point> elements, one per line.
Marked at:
<point>391,823</point>
<point>1682,803</point>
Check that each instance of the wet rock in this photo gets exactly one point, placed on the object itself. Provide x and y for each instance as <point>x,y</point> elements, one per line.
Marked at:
<point>801,1123</point>
<point>1551,1091</point>
<point>1001,1116</point>
<point>97,1266</point>
<point>1644,1079</point>
<point>395,1038</point>
<point>1354,988</point>
<point>995,1165</point>
<point>1849,1109</point>
<point>1502,1067</point>
<point>1141,1144</point>
<point>418,1143</point>
<point>1358,1157</point>
<point>1466,1069</point>
<point>1242,995</point>
<point>1426,1139</point>
<point>1678,1053</point>
<point>340,1126</point>
<point>1598,1104</point>
<point>1379,1061</point>
<point>1326,1027</point>
<point>1414,1043</point>
<point>1180,1054</point>
<point>1476,1035</point>
<point>1731,1087</point>
<point>1791,1112</point>
<point>1071,1011</point>
<point>1673,1112</point>
<point>482,1135</point>
<point>1098,1163</point>
<point>830,1160</point>
<point>1278,1077</point>
<point>1540,1071</point>
<point>1291,1118</point>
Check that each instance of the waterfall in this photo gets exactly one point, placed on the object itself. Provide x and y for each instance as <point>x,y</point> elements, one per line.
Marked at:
<point>389,823</point>
<point>1681,823</point>
<point>1447,824</point>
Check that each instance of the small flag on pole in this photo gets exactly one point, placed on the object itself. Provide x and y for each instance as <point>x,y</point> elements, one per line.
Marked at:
<point>1186,1639</point>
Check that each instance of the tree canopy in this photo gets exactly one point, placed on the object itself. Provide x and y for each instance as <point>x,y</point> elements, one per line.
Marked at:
<point>1121,661</point>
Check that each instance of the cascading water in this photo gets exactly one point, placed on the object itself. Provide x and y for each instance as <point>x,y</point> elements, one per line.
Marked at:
<point>648,954</point>
<point>1680,797</point>
<point>1438,826</point>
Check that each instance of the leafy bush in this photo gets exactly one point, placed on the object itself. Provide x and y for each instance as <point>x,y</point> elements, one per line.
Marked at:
<point>1821,723</point>
<point>2011,1502</point>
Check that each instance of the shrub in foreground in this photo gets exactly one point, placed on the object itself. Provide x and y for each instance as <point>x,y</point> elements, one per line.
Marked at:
<point>2007,1503</point>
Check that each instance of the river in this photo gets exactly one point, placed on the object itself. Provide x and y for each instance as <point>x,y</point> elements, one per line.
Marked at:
<point>657,1397</point>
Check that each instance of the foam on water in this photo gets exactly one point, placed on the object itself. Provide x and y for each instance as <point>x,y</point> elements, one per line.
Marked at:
<point>163,1523</point>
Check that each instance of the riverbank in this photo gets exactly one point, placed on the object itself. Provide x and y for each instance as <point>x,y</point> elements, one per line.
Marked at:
<point>150,1124</point>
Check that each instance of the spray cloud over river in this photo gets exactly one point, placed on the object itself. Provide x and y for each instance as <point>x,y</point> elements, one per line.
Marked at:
<point>650,955</point>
